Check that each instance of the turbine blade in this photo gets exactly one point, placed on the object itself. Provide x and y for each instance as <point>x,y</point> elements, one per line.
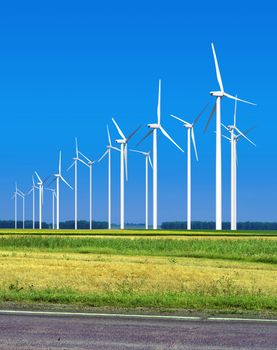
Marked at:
<point>170,138</point>
<point>200,114</point>
<point>71,165</point>
<point>159,103</point>
<point>150,161</point>
<point>37,175</point>
<point>218,75</point>
<point>134,150</point>
<point>194,143</point>
<point>63,179</point>
<point>118,129</point>
<point>144,137</point>
<point>33,180</point>
<point>46,178</point>
<point>228,138</point>
<point>210,117</point>
<point>103,156</point>
<point>81,161</point>
<point>181,120</point>
<point>241,134</point>
<point>32,189</point>
<point>109,136</point>
<point>224,126</point>
<point>52,181</point>
<point>115,148</point>
<point>250,129</point>
<point>239,99</point>
<point>86,158</point>
<point>133,133</point>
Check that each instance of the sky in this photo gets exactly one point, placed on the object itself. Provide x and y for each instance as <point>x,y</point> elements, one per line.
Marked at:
<point>68,67</point>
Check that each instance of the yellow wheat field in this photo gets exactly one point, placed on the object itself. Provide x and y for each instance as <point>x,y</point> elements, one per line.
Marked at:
<point>96,273</point>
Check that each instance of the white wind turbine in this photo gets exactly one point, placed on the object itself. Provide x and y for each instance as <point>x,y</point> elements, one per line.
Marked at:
<point>154,128</point>
<point>123,160</point>
<point>234,138</point>
<point>89,164</point>
<point>147,161</point>
<point>16,193</point>
<point>22,195</point>
<point>109,147</point>
<point>190,137</point>
<point>41,189</point>
<point>32,190</point>
<point>59,177</point>
<point>219,94</point>
<point>76,159</point>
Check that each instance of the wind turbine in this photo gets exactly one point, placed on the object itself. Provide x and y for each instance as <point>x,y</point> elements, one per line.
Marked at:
<point>59,177</point>
<point>89,165</point>
<point>190,137</point>
<point>219,95</point>
<point>22,195</point>
<point>16,193</point>
<point>109,147</point>
<point>32,190</point>
<point>76,159</point>
<point>153,130</point>
<point>147,161</point>
<point>41,189</point>
<point>123,161</point>
<point>234,138</point>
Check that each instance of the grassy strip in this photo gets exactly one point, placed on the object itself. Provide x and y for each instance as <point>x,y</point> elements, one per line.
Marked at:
<point>260,250</point>
<point>167,300</point>
<point>141,232</point>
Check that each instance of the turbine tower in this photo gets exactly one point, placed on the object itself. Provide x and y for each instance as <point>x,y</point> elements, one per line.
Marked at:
<point>76,159</point>
<point>190,137</point>
<point>89,164</point>
<point>234,138</point>
<point>147,161</point>
<point>41,189</point>
<point>32,190</point>
<point>153,130</point>
<point>123,161</point>
<point>22,195</point>
<point>217,107</point>
<point>109,147</point>
<point>16,193</point>
<point>57,178</point>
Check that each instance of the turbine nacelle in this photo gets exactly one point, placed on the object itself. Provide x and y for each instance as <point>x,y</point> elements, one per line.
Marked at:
<point>217,93</point>
<point>154,126</point>
<point>120,141</point>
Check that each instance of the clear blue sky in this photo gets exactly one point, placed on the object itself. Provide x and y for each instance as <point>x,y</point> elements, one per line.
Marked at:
<point>67,68</point>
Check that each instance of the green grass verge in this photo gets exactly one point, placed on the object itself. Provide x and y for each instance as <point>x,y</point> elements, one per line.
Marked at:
<point>159,301</point>
<point>251,250</point>
<point>140,232</point>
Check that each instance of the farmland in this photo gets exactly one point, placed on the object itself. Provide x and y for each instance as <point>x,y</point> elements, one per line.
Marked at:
<point>201,271</point>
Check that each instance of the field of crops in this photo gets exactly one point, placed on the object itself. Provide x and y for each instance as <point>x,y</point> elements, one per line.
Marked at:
<point>224,274</point>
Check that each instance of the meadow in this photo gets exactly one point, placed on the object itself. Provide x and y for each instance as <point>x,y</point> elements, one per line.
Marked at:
<point>205,272</point>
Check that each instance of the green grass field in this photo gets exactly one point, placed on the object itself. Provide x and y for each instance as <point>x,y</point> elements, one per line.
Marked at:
<point>198,271</point>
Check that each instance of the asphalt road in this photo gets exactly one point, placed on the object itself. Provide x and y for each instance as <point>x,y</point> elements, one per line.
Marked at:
<point>104,333</point>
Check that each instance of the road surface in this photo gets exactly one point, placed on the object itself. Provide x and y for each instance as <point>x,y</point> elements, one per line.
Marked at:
<point>60,331</point>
